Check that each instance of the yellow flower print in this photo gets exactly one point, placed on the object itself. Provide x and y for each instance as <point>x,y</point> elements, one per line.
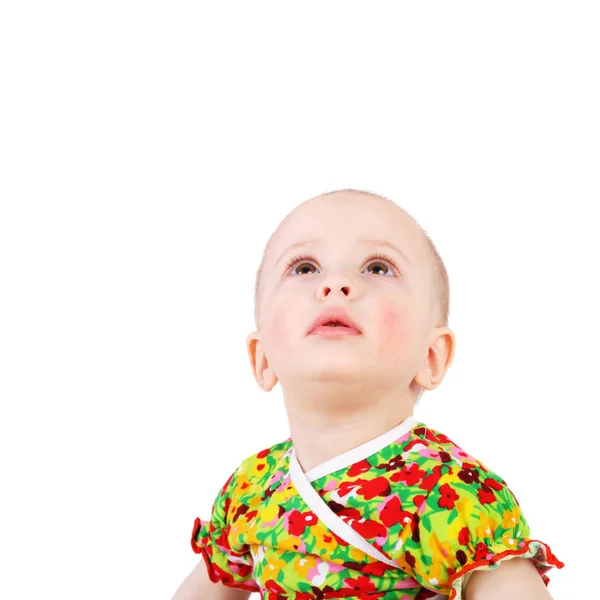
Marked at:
<point>487,527</point>
<point>242,483</point>
<point>252,501</point>
<point>357,555</point>
<point>509,541</point>
<point>324,539</point>
<point>291,544</point>
<point>510,518</point>
<point>273,566</point>
<point>258,469</point>
<point>283,493</point>
<point>441,557</point>
<point>464,505</point>
<point>304,564</point>
<point>270,513</point>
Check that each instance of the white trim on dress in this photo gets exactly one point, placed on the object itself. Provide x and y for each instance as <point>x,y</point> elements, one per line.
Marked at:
<point>321,509</point>
<point>361,452</point>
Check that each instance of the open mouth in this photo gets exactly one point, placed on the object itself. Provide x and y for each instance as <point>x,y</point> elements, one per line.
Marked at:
<point>334,321</point>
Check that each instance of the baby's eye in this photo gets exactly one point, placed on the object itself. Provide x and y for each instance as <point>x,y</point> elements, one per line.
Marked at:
<point>304,265</point>
<point>300,265</point>
<point>379,264</point>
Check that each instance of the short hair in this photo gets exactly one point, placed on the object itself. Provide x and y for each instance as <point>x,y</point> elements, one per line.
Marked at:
<point>441,282</point>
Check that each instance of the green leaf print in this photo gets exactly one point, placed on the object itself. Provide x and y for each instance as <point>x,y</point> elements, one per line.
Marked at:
<point>304,587</point>
<point>453,514</point>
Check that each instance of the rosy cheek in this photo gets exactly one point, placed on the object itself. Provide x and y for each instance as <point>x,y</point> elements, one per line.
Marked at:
<point>393,330</point>
<point>280,333</point>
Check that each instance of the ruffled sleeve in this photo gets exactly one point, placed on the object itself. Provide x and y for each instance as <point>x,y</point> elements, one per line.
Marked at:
<point>211,539</point>
<point>469,521</point>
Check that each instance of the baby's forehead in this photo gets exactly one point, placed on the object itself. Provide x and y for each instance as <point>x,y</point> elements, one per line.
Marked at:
<point>349,223</point>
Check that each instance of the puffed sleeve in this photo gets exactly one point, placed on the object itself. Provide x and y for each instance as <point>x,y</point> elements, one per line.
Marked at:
<point>211,539</point>
<point>469,521</point>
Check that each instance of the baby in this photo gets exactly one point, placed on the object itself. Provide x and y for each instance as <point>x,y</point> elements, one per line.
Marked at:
<point>363,500</point>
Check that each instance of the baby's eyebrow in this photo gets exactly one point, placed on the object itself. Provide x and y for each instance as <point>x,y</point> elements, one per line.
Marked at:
<point>377,241</point>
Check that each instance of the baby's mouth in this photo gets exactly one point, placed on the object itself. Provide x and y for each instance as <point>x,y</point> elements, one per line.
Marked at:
<point>340,328</point>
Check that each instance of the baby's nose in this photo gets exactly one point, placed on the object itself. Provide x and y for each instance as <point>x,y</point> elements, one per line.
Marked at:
<point>335,285</point>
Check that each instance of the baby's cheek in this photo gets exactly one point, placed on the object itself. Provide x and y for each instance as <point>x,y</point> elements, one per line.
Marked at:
<point>280,332</point>
<point>394,330</point>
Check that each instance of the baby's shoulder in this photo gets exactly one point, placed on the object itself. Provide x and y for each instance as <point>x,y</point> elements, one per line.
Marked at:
<point>261,466</point>
<point>438,460</point>
<point>434,446</point>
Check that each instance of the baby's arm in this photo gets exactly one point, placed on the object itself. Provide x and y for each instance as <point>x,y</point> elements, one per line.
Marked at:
<point>516,579</point>
<point>198,586</point>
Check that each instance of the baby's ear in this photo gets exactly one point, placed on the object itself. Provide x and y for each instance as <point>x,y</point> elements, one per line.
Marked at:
<point>263,375</point>
<point>438,359</point>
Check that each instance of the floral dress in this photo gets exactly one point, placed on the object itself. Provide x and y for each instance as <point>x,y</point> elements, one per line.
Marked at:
<point>408,515</point>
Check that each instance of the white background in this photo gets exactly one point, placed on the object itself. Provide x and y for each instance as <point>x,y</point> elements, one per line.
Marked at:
<point>148,150</point>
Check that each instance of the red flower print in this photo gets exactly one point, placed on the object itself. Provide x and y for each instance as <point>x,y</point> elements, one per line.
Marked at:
<point>445,456</point>
<point>410,474</point>
<point>361,584</point>
<point>486,496</point>
<point>347,513</point>
<point>223,575</point>
<point>414,443</point>
<point>496,485</point>
<point>241,509</point>
<point>463,536</point>
<point>273,586</point>
<point>396,462</point>
<point>346,487</point>
<point>461,557</point>
<point>379,486</point>
<point>447,497</point>
<point>410,559</point>
<point>416,531</point>
<point>444,439</point>
<point>481,551</point>
<point>359,468</point>
<point>392,513</point>
<point>338,539</point>
<point>468,474</point>
<point>419,499</point>
<point>242,570</point>
<point>429,482</point>
<point>297,521</point>
<point>263,453</point>
<point>431,436</point>
<point>375,568</point>
<point>223,541</point>
<point>369,529</point>
<point>320,592</point>
<point>309,518</point>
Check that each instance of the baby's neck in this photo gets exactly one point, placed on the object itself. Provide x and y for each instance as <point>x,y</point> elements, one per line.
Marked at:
<point>320,433</point>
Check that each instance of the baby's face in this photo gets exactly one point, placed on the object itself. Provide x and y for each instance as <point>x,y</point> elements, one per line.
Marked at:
<point>324,255</point>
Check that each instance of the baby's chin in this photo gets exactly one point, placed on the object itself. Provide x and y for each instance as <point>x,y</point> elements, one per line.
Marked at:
<point>342,369</point>
<point>329,389</point>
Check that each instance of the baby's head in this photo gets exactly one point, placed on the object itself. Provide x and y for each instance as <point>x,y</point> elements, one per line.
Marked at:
<point>362,253</point>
